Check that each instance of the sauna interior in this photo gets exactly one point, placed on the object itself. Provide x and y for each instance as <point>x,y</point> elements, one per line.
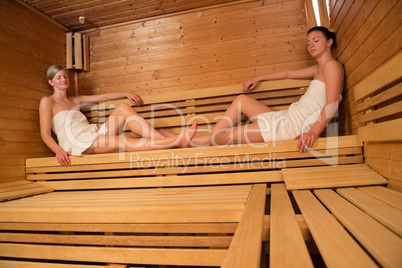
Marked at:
<point>159,47</point>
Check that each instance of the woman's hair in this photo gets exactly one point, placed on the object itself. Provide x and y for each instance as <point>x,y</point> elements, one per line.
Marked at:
<point>327,33</point>
<point>52,71</point>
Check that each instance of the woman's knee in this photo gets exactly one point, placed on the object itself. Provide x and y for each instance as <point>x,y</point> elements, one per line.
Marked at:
<point>125,108</point>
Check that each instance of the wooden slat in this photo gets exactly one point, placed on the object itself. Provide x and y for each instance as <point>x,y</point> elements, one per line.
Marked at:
<point>386,214</point>
<point>216,151</point>
<point>385,131</point>
<point>379,241</point>
<point>386,195</point>
<point>221,241</point>
<point>245,248</point>
<point>189,180</point>
<point>382,112</point>
<point>328,177</point>
<point>24,264</point>
<point>21,190</point>
<point>158,228</point>
<point>336,246</point>
<point>78,60</point>
<point>380,98</point>
<point>287,246</point>
<point>212,257</point>
<point>382,76</point>
<point>69,50</point>
<point>34,173</point>
<point>208,92</point>
<point>164,206</point>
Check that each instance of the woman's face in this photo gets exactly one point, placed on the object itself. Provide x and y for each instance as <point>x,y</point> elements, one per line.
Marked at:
<point>317,43</point>
<point>60,80</point>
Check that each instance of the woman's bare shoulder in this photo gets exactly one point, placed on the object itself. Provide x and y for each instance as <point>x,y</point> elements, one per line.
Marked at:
<point>333,65</point>
<point>46,102</point>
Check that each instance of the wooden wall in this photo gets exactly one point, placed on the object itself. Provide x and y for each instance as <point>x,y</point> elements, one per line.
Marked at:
<point>203,48</point>
<point>369,33</point>
<point>29,44</point>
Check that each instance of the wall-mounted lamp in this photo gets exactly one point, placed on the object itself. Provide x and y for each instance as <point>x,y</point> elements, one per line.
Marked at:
<point>77,46</point>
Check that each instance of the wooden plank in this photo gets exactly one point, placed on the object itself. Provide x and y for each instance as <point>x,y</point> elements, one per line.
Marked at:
<point>386,195</point>
<point>213,91</point>
<point>221,241</point>
<point>381,132</point>
<point>189,180</point>
<point>154,228</point>
<point>248,237</point>
<point>330,169</point>
<point>216,151</point>
<point>380,98</point>
<point>34,190</point>
<point>287,246</point>
<point>388,73</point>
<point>328,177</point>
<point>381,211</point>
<point>24,264</point>
<point>86,56</point>
<point>163,206</point>
<point>156,256</point>
<point>336,246</point>
<point>34,172</point>
<point>382,112</point>
<point>379,241</point>
<point>69,50</point>
<point>78,51</point>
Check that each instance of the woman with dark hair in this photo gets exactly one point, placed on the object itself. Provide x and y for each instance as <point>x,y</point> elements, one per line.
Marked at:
<point>76,136</point>
<point>304,120</point>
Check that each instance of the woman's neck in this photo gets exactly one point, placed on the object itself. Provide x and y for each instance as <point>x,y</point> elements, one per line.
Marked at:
<point>59,94</point>
<point>324,59</point>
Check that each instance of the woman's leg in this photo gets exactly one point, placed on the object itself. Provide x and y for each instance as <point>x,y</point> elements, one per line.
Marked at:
<point>124,113</point>
<point>249,133</point>
<point>243,104</point>
<point>113,143</point>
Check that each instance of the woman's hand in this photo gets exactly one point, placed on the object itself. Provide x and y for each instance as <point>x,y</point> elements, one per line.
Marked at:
<point>250,85</point>
<point>63,157</point>
<point>306,141</point>
<point>134,98</point>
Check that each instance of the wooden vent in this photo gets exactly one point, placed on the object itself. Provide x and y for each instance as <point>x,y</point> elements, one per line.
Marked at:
<point>77,45</point>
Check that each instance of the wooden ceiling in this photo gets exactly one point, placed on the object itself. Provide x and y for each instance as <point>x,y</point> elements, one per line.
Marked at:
<point>100,13</point>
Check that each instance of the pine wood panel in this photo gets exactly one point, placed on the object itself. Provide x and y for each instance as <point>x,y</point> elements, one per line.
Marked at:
<point>197,50</point>
<point>368,34</point>
<point>386,159</point>
<point>100,13</point>
<point>27,51</point>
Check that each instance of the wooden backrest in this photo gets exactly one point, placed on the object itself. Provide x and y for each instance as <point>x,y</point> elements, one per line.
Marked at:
<point>173,111</point>
<point>380,96</point>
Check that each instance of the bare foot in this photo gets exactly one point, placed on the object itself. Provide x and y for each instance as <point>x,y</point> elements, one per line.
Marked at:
<point>188,135</point>
<point>165,133</point>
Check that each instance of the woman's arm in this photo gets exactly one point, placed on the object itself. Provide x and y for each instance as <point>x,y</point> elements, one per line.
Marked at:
<point>45,117</point>
<point>333,78</point>
<point>108,96</point>
<point>307,73</point>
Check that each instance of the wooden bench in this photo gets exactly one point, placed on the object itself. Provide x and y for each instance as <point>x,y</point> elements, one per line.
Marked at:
<point>351,226</point>
<point>194,206</point>
<point>234,164</point>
